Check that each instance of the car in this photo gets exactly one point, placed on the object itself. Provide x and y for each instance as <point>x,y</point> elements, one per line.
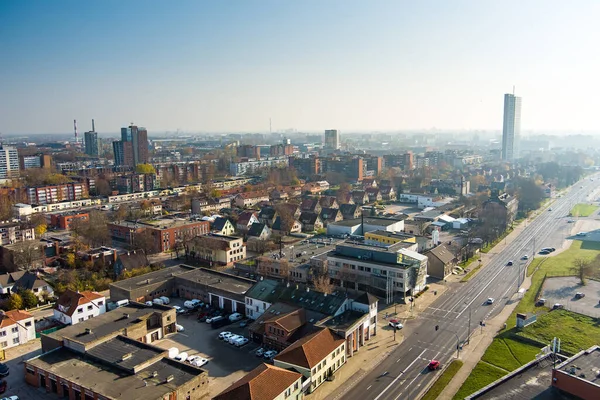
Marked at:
<point>557,306</point>
<point>179,328</point>
<point>541,302</point>
<point>199,362</point>
<point>270,354</point>
<point>148,303</point>
<point>579,295</point>
<point>213,319</point>
<point>177,309</point>
<point>544,252</point>
<point>224,335</point>
<point>233,338</point>
<point>570,221</point>
<point>260,352</point>
<point>550,209</point>
<point>235,317</point>
<point>10,398</point>
<point>509,263</point>
<point>525,257</point>
<point>394,323</point>
<point>241,342</point>
<point>244,323</point>
<point>3,370</point>
<point>490,300</point>
<point>202,318</point>
<point>581,234</point>
<point>3,386</point>
<point>433,365</point>
<point>181,356</point>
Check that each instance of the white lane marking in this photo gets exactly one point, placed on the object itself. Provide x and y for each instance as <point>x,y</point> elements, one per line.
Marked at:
<point>399,375</point>
<point>369,387</point>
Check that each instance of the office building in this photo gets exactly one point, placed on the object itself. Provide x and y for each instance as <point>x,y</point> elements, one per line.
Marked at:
<point>132,149</point>
<point>9,162</point>
<point>332,139</point>
<point>511,129</point>
<point>91,143</point>
<point>35,161</point>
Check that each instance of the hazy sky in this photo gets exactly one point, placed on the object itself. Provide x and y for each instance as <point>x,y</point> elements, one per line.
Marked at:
<point>310,65</point>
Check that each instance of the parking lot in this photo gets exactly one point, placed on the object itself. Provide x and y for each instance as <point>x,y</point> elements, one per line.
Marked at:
<point>562,290</point>
<point>226,363</point>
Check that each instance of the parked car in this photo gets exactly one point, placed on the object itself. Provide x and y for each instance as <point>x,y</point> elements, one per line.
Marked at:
<point>557,306</point>
<point>579,295</point>
<point>235,317</point>
<point>179,328</point>
<point>224,335</point>
<point>231,339</point>
<point>192,304</point>
<point>541,302</point>
<point>581,234</point>
<point>173,352</point>
<point>241,342</point>
<point>244,323</point>
<point>210,320</point>
<point>525,257</point>
<point>433,365</point>
<point>148,303</point>
<point>269,354</point>
<point>158,302</point>
<point>165,299</point>
<point>179,310</point>
<point>260,352</point>
<point>570,221</point>
<point>509,263</point>
<point>10,398</point>
<point>3,386</point>
<point>544,252</point>
<point>394,323</point>
<point>490,300</point>
<point>3,370</point>
<point>199,362</point>
<point>181,356</point>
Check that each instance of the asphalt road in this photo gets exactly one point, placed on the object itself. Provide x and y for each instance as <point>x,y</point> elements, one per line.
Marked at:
<point>404,374</point>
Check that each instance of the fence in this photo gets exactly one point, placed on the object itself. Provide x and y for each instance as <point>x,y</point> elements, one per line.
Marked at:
<point>47,331</point>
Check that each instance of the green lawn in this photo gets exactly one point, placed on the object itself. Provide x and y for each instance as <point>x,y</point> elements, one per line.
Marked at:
<point>562,263</point>
<point>441,383</point>
<point>583,210</point>
<point>508,353</point>
<point>482,375</point>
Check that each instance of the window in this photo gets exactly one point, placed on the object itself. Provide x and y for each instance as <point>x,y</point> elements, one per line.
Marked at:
<point>15,329</point>
<point>314,370</point>
<point>342,347</point>
<point>16,340</point>
<point>296,386</point>
<point>4,344</point>
<point>80,310</point>
<point>319,367</point>
<point>90,307</point>
<point>168,318</point>
<point>2,333</point>
<point>28,323</point>
<point>81,319</point>
<point>100,303</point>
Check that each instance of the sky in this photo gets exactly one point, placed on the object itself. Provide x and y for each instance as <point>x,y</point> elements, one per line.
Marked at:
<point>230,66</point>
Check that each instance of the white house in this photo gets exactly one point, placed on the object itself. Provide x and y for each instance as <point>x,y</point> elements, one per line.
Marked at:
<point>14,281</point>
<point>316,356</point>
<point>16,327</point>
<point>74,307</point>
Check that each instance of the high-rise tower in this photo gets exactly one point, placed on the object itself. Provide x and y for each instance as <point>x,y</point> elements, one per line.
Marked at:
<point>91,142</point>
<point>332,139</point>
<point>511,128</point>
<point>132,149</point>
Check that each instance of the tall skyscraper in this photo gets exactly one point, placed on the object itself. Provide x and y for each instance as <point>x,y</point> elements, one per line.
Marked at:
<point>511,128</point>
<point>9,162</point>
<point>332,139</point>
<point>132,149</point>
<point>91,143</point>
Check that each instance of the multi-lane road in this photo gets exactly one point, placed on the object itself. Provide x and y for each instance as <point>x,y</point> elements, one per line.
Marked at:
<point>458,312</point>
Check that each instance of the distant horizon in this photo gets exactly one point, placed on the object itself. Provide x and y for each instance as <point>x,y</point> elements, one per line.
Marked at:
<point>384,65</point>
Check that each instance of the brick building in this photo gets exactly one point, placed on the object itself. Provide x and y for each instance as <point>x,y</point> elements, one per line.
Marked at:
<point>56,193</point>
<point>64,221</point>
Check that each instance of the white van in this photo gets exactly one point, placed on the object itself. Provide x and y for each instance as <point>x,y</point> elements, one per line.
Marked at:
<point>122,303</point>
<point>235,317</point>
<point>173,352</point>
<point>165,299</point>
<point>158,301</point>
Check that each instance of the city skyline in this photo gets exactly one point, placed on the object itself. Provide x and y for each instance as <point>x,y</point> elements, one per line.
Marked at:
<point>199,66</point>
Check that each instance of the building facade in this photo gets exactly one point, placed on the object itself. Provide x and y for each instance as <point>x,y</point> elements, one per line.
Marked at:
<point>511,127</point>
<point>332,139</point>
<point>9,162</point>
<point>16,327</point>
<point>91,143</point>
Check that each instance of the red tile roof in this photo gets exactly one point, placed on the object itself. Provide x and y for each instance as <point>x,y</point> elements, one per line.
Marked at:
<point>13,316</point>
<point>68,302</point>
<point>265,382</point>
<point>312,349</point>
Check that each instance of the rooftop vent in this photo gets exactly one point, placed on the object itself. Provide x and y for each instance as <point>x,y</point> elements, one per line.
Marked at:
<point>126,356</point>
<point>88,331</point>
<point>125,315</point>
<point>154,374</point>
<point>169,378</point>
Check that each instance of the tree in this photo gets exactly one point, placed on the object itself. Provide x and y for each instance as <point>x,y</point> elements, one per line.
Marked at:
<point>29,298</point>
<point>93,231</point>
<point>103,187</point>
<point>286,217</point>
<point>342,193</point>
<point>529,194</point>
<point>145,241</point>
<point>6,208</point>
<point>145,169</point>
<point>27,254</point>
<point>15,302</point>
<point>70,259</point>
<point>582,268</point>
<point>322,283</point>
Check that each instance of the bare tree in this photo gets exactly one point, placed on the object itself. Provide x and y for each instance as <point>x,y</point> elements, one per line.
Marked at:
<point>27,254</point>
<point>322,283</point>
<point>145,241</point>
<point>582,268</point>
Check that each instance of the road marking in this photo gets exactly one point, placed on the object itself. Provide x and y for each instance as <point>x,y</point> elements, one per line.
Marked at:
<point>399,375</point>
<point>369,387</point>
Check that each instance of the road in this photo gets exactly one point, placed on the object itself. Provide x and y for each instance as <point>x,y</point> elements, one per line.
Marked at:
<point>404,374</point>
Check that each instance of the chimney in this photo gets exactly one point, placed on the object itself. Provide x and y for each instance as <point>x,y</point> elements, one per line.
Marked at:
<point>125,315</point>
<point>154,374</point>
<point>88,331</point>
<point>169,378</point>
<point>93,126</point>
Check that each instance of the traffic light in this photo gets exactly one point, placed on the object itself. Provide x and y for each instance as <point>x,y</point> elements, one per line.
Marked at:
<point>437,327</point>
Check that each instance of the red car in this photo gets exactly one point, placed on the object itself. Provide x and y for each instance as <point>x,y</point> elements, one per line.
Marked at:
<point>433,365</point>
<point>3,386</point>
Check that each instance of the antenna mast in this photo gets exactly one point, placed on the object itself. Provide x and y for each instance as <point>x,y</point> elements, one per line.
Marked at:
<point>75,128</point>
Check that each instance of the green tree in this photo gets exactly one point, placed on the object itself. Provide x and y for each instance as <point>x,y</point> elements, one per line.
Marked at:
<point>71,260</point>
<point>15,302</point>
<point>145,169</point>
<point>29,298</point>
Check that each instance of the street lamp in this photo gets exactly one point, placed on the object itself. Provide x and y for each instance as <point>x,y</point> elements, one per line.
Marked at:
<point>437,327</point>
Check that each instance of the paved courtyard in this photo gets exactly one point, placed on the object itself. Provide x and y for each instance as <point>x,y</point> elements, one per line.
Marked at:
<point>563,289</point>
